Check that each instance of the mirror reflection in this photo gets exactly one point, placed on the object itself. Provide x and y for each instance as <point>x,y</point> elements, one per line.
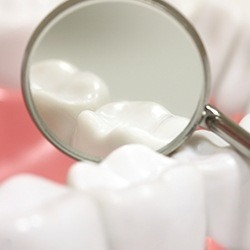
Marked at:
<point>107,73</point>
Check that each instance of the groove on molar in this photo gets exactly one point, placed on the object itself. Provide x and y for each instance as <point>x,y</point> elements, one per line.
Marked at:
<point>61,92</point>
<point>155,209</point>
<point>115,124</point>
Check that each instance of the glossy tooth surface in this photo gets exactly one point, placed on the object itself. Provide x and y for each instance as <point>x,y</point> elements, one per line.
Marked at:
<point>218,23</point>
<point>17,21</point>
<point>227,186</point>
<point>61,92</point>
<point>115,124</point>
<point>116,173</point>
<point>38,214</point>
<point>154,211</point>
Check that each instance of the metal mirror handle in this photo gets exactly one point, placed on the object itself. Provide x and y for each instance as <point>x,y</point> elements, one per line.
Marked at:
<point>231,132</point>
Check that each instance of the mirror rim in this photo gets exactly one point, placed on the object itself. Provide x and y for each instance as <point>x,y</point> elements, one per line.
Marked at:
<point>70,151</point>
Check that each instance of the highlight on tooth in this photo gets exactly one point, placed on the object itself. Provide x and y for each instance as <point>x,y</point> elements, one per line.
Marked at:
<point>77,108</point>
<point>61,91</point>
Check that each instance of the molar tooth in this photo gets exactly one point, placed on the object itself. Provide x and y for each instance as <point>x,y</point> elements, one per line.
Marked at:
<point>87,176</point>
<point>116,173</point>
<point>150,167</point>
<point>115,124</point>
<point>202,144</point>
<point>61,92</point>
<point>154,211</point>
<point>157,215</point>
<point>33,209</point>
<point>226,175</point>
<point>227,184</point>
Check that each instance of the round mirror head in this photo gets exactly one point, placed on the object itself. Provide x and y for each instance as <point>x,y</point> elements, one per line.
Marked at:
<point>99,74</point>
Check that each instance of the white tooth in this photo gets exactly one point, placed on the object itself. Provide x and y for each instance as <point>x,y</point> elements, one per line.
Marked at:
<point>154,212</point>
<point>201,144</point>
<point>38,214</point>
<point>118,169</point>
<point>61,92</point>
<point>218,23</point>
<point>158,215</point>
<point>234,85</point>
<point>17,21</point>
<point>227,183</point>
<point>227,198</point>
<point>150,166</point>
<point>115,124</point>
<point>85,176</point>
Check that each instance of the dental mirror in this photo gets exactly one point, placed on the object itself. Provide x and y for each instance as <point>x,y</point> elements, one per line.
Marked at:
<point>98,74</point>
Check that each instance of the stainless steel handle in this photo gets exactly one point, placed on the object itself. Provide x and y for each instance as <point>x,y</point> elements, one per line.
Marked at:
<point>231,132</point>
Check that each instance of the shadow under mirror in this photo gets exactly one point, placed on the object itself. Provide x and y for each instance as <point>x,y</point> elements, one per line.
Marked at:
<point>103,73</point>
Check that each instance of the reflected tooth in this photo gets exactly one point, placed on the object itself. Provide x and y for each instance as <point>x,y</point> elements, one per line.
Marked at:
<point>17,22</point>
<point>115,124</point>
<point>61,92</point>
<point>33,209</point>
<point>235,83</point>
<point>218,23</point>
<point>227,185</point>
<point>152,214</point>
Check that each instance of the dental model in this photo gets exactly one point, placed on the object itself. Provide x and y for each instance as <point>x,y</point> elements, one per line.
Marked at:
<point>135,199</point>
<point>40,214</point>
<point>75,106</point>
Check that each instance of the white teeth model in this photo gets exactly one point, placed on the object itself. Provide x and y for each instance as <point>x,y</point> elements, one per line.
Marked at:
<point>38,214</point>
<point>115,124</point>
<point>61,92</point>
<point>227,187</point>
<point>18,19</point>
<point>152,212</point>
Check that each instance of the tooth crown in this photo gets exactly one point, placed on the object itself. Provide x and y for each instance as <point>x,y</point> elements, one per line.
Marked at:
<point>152,210</point>
<point>61,92</point>
<point>115,124</point>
